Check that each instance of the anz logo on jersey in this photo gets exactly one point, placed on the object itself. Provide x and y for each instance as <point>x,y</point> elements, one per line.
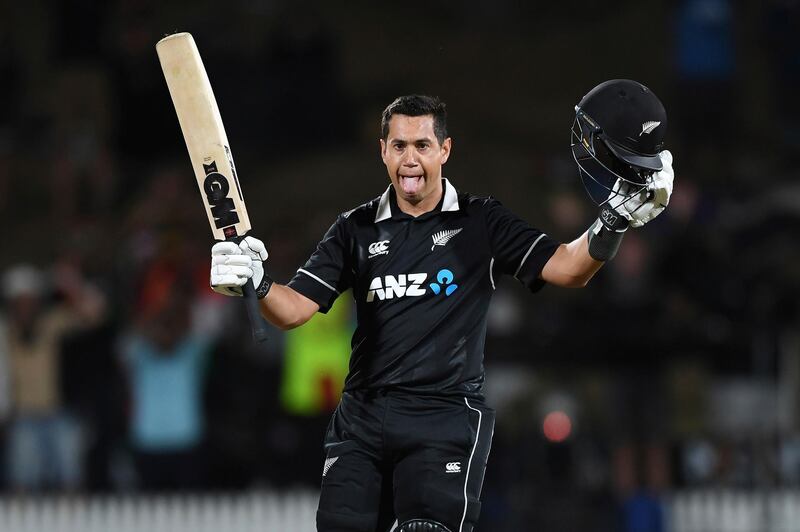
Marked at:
<point>410,285</point>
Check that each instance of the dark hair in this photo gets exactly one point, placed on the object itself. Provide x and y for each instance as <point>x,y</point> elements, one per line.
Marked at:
<point>417,105</point>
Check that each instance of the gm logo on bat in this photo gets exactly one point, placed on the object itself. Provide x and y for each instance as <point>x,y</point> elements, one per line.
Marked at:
<point>410,285</point>
<point>223,210</point>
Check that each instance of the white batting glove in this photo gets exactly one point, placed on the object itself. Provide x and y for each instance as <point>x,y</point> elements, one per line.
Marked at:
<point>233,265</point>
<point>651,200</point>
<point>257,251</point>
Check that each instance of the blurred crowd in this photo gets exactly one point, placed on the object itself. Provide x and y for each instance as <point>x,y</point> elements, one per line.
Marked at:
<point>678,366</point>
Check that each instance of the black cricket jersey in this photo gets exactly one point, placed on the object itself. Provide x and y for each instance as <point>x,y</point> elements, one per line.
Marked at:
<point>422,286</point>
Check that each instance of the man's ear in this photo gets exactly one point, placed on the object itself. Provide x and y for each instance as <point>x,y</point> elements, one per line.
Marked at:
<point>446,146</point>
<point>383,150</point>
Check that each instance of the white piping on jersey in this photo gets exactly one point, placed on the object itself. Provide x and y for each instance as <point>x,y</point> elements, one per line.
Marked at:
<point>326,285</point>
<point>449,204</point>
<point>491,276</point>
<point>469,464</point>
<point>526,255</point>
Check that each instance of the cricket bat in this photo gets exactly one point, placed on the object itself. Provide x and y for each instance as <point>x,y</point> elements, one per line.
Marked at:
<point>209,151</point>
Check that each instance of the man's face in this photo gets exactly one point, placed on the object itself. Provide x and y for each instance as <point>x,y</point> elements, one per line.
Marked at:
<point>414,159</point>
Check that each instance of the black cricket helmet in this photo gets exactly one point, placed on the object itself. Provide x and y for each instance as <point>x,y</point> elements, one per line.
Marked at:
<point>617,134</point>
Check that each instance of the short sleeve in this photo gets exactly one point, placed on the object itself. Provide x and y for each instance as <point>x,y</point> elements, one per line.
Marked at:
<point>518,249</point>
<point>328,272</point>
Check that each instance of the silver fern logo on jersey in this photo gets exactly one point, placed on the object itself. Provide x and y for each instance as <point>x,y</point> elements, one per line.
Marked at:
<point>648,127</point>
<point>443,237</point>
<point>328,464</point>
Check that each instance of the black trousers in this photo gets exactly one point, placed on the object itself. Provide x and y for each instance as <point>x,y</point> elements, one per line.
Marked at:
<point>393,455</point>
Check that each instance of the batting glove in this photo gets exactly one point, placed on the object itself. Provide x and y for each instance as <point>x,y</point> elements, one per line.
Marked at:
<point>651,200</point>
<point>233,265</point>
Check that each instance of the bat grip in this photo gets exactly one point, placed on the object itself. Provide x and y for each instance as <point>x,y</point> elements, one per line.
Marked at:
<point>257,323</point>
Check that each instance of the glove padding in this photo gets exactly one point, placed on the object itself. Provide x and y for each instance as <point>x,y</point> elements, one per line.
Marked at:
<point>233,265</point>
<point>650,201</point>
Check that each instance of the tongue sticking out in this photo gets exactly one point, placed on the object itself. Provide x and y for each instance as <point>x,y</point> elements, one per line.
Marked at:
<point>411,185</point>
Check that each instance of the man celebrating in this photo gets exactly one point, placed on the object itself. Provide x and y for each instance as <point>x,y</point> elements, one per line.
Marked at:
<point>411,435</point>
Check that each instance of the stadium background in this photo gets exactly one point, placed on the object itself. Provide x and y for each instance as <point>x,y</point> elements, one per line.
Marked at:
<point>678,367</point>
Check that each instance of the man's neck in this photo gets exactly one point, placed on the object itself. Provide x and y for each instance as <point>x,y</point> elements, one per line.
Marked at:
<point>426,205</point>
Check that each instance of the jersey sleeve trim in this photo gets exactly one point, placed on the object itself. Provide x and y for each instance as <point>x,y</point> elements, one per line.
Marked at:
<point>522,262</point>
<point>326,285</point>
<point>491,274</point>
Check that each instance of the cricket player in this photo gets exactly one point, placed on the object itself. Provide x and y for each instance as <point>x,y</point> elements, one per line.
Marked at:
<point>411,435</point>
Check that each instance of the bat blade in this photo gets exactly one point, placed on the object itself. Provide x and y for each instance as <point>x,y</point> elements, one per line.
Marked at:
<point>209,150</point>
<point>205,136</point>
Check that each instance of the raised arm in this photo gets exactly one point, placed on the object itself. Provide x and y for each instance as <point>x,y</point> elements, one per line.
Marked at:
<point>286,308</point>
<point>315,286</point>
<point>571,266</point>
<point>233,265</point>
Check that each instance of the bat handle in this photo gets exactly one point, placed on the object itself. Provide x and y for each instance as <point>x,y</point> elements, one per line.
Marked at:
<point>257,323</point>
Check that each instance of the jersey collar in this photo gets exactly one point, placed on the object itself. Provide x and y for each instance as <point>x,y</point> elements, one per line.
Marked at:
<point>449,203</point>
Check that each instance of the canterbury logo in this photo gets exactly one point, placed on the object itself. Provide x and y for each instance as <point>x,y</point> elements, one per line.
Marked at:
<point>443,237</point>
<point>452,467</point>
<point>648,127</point>
<point>328,463</point>
<point>378,248</point>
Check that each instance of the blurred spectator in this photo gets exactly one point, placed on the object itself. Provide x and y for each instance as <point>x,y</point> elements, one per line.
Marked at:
<point>44,448</point>
<point>84,170</point>
<point>789,460</point>
<point>782,53</point>
<point>9,94</point>
<point>700,462</point>
<point>705,62</point>
<point>643,512</point>
<point>302,83</point>
<point>145,114</point>
<point>640,476</point>
<point>316,362</point>
<point>165,361</point>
